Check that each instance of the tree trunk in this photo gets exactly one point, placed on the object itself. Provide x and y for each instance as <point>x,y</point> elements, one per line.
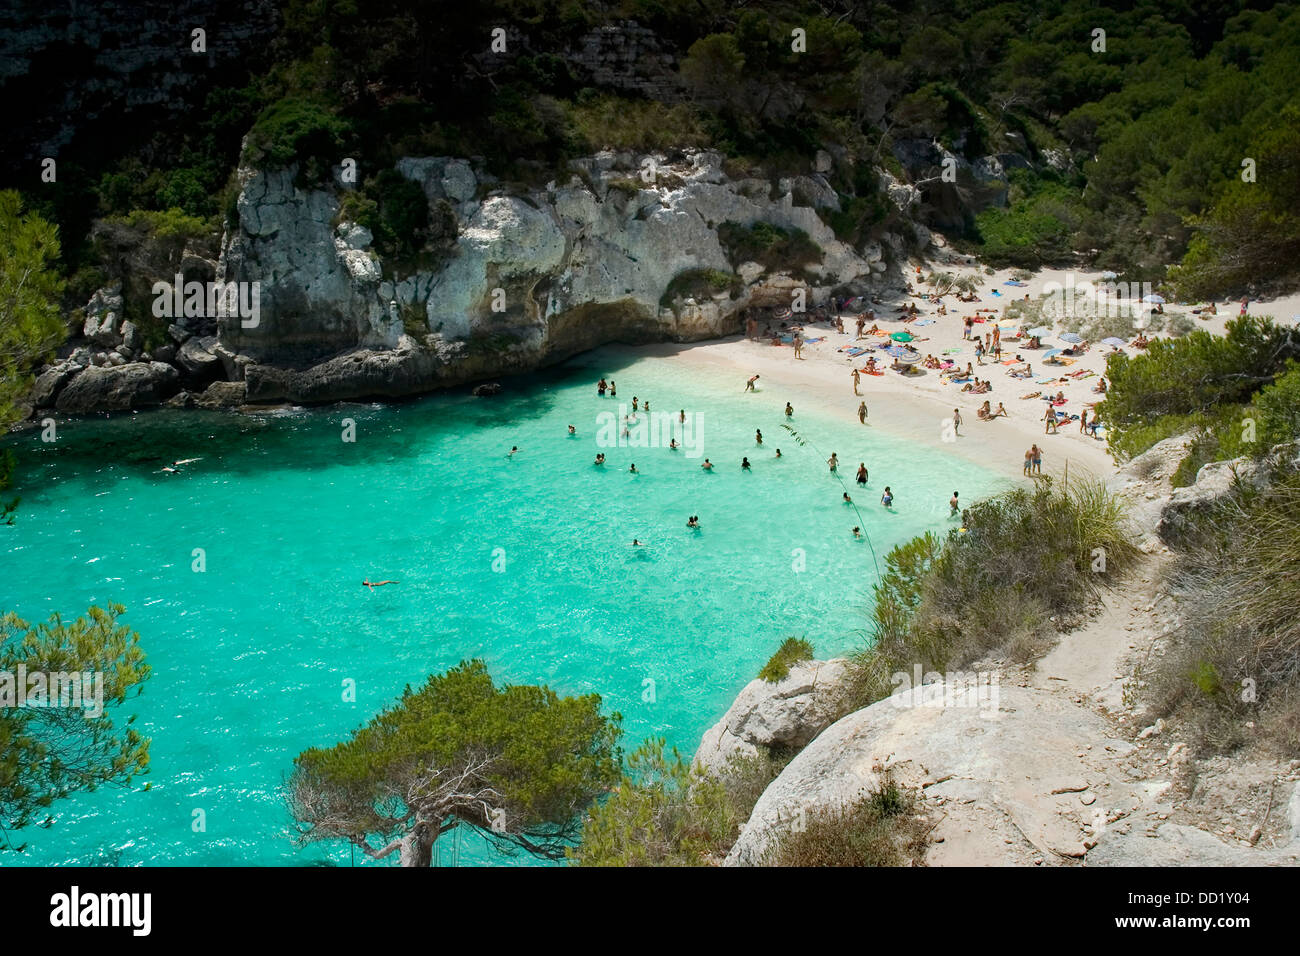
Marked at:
<point>417,846</point>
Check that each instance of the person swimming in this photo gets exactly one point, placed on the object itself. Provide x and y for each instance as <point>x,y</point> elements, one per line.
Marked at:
<point>778,453</point>
<point>708,465</point>
<point>572,430</point>
<point>693,521</point>
<point>847,499</point>
<point>376,584</point>
<point>600,459</point>
<point>632,469</point>
<point>857,532</point>
<point>513,449</point>
<point>862,472</point>
<point>887,499</point>
<point>672,444</point>
<point>744,463</point>
<point>636,543</point>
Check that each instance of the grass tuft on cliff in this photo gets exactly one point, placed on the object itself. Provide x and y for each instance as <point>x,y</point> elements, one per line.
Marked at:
<point>883,829</point>
<point>793,650</point>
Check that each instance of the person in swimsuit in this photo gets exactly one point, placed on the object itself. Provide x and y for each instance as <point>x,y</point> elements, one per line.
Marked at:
<point>635,404</point>
<point>632,470</point>
<point>672,444</point>
<point>1029,460</point>
<point>601,387</point>
<point>789,410</point>
<point>857,532</point>
<point>613,392</point>
<point>862,412</point>
<point>778,453</point>
<point>513,449</point>
<point>749,386</point>
<point>693,521</point>
<point>857,377</point>
<point>887,499</point>
<point>377,584</point>
<point>600,459</point>
<point>708,465</point>
<point>744,463</point>
<point>847,499</point>
<point>681,416</point>
<point>862,472</point>
<point>833,461</point>
<point>1038,459</point>
<point>758,436</point>
<point>953,507</point>
<point>572,430</point>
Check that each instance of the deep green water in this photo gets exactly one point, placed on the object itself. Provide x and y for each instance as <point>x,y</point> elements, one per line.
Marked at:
<point>250,656</point>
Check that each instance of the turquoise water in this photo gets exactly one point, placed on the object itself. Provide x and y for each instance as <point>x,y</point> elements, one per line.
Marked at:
<point>526,562</point>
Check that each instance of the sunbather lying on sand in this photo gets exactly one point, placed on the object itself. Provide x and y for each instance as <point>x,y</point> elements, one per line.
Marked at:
<point>1032,395</point>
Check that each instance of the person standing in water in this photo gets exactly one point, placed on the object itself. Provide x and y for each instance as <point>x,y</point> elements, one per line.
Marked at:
<point>778,453</point>
<point>789,410</point>
<point>708,465</point>
<point>1038,459</point>
<point>601,387</point>
<point>744,464</point>
<point>1029,460</point>
<point>862,412</point>
<point>613,392</point>
<point>572,430</point>
<point>847,499</point>
<point>833,461</point>
<point>862,472</point>
<point>749,386</point>
<point>758,436</point>
<point>887,499</point>
<point>681,416</point>
<point>633,470</point>
<point>635,404</point>
<point>953,507</point>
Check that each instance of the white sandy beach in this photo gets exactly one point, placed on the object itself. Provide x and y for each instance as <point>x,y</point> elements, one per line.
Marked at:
<point>917,406</point>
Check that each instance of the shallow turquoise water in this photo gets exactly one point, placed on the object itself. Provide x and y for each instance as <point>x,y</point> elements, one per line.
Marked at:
<point>249,657</point>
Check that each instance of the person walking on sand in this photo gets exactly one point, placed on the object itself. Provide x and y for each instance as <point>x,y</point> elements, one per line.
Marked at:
<point>956,421</point>
<point>861,324</point>
<point>862,412</point>
<point>749,386</point>
<point>1050,418</point>
<point>857,377</point>
<point>1083,421</point>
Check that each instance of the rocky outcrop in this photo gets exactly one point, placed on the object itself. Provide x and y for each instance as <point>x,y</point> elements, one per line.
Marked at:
<point>784,715</point>
<point>118,388</point>
<point>519,280</point>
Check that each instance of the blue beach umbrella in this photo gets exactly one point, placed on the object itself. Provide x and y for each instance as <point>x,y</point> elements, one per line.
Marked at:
<point>899,352</point>
<point>1072,337</point>
<point>1050,352</point>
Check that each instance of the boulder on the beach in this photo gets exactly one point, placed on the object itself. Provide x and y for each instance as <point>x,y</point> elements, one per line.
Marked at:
<point>118,388</point>
<point>50,382</point>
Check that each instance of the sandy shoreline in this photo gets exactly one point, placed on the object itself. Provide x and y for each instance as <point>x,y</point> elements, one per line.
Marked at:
<point>916,407</point>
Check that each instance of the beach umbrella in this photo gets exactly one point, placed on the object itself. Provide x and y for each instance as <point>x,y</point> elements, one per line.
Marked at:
<point>1117,342</point>
<point>1109,275</point>
<point>1159,299</point>
<point>1072,337</point>
<point>908,358</point>
<point>898,352</point>
<point>1040,331</point>
<point>902,336</point>
<point>1050,352</point>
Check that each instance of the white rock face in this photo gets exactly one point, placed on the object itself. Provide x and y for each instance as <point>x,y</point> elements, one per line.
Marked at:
<point>577,264</point>
<point>789,713</point>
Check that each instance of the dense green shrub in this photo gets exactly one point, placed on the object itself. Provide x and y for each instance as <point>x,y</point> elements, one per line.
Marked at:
<point>1024,557</point>
<point>882,829</point>
<point>793,650</point>
<point>771,246</point>
<point>298,130</point>
<point>699,284</point>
